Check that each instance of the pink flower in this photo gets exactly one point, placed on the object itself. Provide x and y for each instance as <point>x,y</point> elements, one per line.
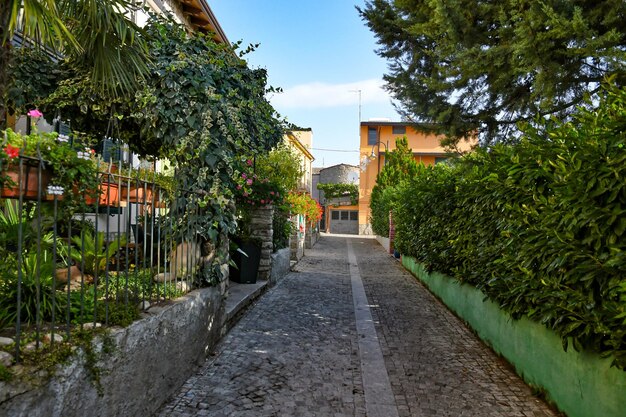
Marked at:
<point>34,113</point>
<point>249,181</point>
<point>262,201</point>
<point>239,187</point>
<point>93,151</point>
<point>249,162</point>
<point>244,176</point>
<point>271,192</point>
<point>12,151</point>
<point>245,194</point>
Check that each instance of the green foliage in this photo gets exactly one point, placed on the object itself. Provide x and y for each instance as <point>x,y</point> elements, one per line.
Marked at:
<point>303,203</point>
<point>91,253</point>
<point>281,166</point>
<point>332,191</point>
<point>202,109</point>
<point>38,300</point>
<point>34,76</point>
<point>539,226</point>
<point>484,66</point>
<point>400,166</point>
<point>5,374</point>
<point>282,227</point>
<point>78,176</point>
<point>380,204</point>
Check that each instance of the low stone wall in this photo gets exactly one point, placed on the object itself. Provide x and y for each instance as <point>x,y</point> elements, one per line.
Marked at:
<point>149,362</point>
<point>280,265</point>
<point>261,228</point>
<point>580,383</point>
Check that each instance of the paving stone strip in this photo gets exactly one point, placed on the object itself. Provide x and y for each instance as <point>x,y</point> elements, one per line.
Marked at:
<point>379,399</point>
<point>298,350</point>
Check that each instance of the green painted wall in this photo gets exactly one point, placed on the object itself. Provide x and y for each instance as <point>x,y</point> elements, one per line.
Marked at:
<point>581,384</point>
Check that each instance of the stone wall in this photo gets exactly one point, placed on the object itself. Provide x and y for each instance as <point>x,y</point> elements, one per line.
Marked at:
<point>312,235</point>
<point>150,360</point>
<point>280,265</point>
<point>261,228</point>
<point>296,241</point>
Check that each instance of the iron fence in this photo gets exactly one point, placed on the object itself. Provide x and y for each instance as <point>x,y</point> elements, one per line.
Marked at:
<point>65,270</point>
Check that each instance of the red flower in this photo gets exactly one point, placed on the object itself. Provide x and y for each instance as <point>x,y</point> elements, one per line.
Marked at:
<point>12,151</point>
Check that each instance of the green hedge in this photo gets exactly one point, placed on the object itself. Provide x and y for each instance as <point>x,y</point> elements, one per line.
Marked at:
<point>537,226</point>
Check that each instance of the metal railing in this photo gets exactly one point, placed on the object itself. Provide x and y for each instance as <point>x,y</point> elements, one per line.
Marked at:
<point>99,266</point>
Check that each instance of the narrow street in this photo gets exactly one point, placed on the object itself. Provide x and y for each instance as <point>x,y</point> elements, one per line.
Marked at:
<point>351,333</point>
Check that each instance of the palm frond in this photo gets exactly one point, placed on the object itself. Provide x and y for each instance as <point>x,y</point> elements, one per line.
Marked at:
<point>40,22</point>
<point>114,47</point>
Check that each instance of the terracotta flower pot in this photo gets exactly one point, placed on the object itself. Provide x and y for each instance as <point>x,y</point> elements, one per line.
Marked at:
<point>28,185</point>
<point>141,195</point>
<point>110,195</point>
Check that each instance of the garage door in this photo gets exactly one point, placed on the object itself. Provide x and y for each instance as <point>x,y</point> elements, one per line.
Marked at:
<point>344,222</point>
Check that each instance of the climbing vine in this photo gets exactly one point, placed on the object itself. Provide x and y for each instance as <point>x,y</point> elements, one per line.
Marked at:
<point>340,190</point>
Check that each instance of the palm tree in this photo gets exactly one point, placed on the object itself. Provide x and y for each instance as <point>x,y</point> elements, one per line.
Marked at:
<point>96,34</point>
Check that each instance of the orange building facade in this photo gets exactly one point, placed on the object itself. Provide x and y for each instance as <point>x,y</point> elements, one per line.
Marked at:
<point>377,138</point>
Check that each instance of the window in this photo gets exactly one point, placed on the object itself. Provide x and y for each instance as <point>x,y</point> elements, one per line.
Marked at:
<point>398,130</point>
<point>440,159</point>
<point>334,215</point>
<point>354,215</point>
<point>372,135</point>
<point>345,215</point>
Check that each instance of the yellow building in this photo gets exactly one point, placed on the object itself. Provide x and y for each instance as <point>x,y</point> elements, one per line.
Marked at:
<point>379,137</point>
<point>301,141</point>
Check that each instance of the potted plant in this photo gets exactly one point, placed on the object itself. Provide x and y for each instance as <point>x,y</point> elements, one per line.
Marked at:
<point>61,166</point>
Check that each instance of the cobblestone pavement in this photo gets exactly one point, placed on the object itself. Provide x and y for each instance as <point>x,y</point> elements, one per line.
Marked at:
<point>296,352</point>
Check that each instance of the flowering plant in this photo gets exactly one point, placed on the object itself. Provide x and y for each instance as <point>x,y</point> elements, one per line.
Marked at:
<point>303,203</point>
<point>73,168</point>
<point>254,191</point>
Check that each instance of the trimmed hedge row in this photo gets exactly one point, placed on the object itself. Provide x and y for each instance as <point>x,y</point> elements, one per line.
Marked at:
<point>538,226</point>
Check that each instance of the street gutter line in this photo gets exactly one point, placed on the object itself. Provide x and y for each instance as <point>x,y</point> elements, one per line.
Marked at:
<point>379,399</point>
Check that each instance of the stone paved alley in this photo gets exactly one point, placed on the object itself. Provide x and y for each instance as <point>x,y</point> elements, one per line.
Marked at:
<point>301,350</point>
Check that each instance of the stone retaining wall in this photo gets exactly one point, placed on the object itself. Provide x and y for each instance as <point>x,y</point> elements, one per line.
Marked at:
<point>280,265</point>
<point>150,360</point>
<point>261,228</point>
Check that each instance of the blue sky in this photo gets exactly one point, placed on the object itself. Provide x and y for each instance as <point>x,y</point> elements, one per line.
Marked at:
<point>316,51</point>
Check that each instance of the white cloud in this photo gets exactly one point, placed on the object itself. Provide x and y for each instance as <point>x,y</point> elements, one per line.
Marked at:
<point>319,95</point>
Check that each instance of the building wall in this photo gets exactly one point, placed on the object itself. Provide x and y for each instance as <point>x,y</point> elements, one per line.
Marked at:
<point>338,174</point>
<point>342,225</point>
<point>301,141</point>
<point>426,149</point>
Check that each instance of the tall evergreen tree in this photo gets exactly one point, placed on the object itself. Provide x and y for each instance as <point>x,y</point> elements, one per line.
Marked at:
<point>400,166</point>
<point>472,65</point>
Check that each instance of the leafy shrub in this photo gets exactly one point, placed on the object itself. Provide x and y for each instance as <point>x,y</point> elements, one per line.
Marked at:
<point>380,205</point>
<point>38,301</point>
<point>400,167</point>
<point>283,228</point>
<point>538,226</point>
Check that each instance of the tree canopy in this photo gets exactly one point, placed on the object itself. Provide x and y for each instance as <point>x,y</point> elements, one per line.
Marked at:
<point>400,166</point>
<point>474,66</point>
<point>97,37</point>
